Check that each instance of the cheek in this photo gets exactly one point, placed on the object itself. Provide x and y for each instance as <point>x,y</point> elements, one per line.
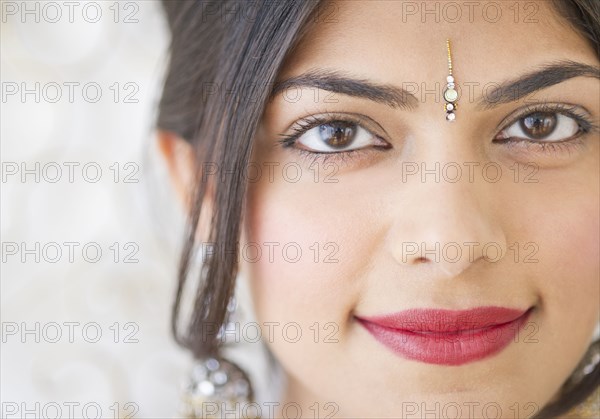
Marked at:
<point>314,252</point>
<point>566,274</point>
<point>315,295</point>
<point>571,278</point>
<point>569,248</point>
<point>560,215</point>
<point>578,242</point>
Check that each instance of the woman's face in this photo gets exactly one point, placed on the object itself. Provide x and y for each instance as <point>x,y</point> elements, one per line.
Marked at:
<point>496,209</point>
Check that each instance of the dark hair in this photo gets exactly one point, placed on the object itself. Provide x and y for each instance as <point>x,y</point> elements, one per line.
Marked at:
<point>238,48</point>
<point>233,53</point>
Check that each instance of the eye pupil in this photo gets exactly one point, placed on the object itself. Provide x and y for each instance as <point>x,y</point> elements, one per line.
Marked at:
<point>337,134</point>
<point>539,124</point>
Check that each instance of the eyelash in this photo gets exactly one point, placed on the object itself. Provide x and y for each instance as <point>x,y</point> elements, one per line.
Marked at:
<point>312,121</point>
<point>305,124</point>
<point>585,127</point>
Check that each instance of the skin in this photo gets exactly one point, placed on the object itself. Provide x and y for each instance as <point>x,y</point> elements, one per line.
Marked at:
<point>371,213</point>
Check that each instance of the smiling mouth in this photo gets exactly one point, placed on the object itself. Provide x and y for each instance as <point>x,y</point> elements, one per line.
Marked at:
<point>447,337</point>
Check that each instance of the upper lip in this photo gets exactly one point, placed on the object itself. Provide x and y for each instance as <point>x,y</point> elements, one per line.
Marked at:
<point>427,320</point>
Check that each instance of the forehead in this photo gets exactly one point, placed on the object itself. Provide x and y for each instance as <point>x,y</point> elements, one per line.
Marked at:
<point>405,41</point>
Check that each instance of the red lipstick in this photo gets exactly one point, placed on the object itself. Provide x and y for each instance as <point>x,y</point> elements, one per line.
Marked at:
<point>447,337</point>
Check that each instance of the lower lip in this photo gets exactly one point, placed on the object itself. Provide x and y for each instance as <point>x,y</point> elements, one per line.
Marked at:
<point>448,348</point>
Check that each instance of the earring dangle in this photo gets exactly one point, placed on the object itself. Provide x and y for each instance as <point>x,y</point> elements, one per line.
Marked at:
<point>217,387</point>
<point>450,94</point>
<point>588,364</point>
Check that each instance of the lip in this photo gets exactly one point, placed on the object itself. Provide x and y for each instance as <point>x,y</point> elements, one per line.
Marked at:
<point>447,337</point>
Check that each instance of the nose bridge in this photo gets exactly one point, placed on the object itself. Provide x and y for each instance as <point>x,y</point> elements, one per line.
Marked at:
<point>446,220</point>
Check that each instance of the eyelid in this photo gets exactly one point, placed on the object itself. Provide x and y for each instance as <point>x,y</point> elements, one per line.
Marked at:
<point>314,120</point>
<point>573,111</point>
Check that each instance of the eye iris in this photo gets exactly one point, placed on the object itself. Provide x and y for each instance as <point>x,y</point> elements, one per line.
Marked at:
<point>539,124</point>
<point>337,134</point>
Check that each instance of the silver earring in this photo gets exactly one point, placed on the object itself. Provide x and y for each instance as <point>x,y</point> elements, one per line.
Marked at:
<point>588,364</point>
<point>230,321</point>
<point>218,387</point>
<point>592,359</point>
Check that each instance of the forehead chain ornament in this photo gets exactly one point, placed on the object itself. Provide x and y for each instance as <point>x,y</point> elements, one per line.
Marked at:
<point>450,94</point>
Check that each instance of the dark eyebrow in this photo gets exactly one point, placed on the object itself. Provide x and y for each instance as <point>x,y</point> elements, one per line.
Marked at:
<point>337,82</point>
<point>549,75</point>
<point>396,97</point>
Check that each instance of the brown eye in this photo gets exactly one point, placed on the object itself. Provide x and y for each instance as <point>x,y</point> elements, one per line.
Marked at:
<point>539,125</point>
<point>337,134</point>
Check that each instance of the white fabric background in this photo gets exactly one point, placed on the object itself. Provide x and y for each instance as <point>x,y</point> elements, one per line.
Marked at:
<point>34,370</point>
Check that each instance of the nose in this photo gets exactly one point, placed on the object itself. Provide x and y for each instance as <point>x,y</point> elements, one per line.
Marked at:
<point>443,227</point>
